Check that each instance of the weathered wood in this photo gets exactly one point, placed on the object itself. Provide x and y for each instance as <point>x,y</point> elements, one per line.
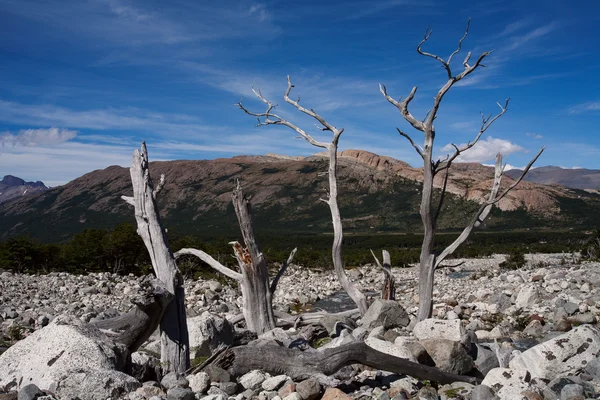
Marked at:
<point>270,118</point>
<point>301,365</point>
<point>173,325</point>
<point>281,272</point>
<point>254,283</point>
<point>388,292</point>
<point>429,260</point>
<point>135,327</point>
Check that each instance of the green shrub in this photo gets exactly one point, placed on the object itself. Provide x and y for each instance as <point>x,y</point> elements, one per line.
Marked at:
<point>514,260</point>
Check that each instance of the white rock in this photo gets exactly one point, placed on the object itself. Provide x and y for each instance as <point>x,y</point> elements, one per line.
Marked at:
<point>441,329</point>
<point>564,354</point>
<point>87,384</point>
<point>527,297</point>
<point>390,348</point>
<point>274,382</point>
<point>252,379</point>
<point>508,383</point>
<point>199,382</point>
<point>65,344</point>
<point>206,332</point>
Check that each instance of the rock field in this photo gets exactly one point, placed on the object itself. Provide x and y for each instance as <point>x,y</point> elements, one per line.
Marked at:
<point>529,334</point>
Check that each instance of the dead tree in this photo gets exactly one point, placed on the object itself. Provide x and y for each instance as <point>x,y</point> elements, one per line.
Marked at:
<point>302,365</point>
<point>173,326</point>
<point>270,118</point>
<point>253,279</point>
<point>388,292</point>
<point>430,259</point>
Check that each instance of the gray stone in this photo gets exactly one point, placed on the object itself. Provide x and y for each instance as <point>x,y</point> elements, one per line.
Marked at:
<point>455,391</point>
<point>427,393</point>
<point>293,396</point>
<point>448,355</point>
<point>172,380</point>
<point>483,392</point>
<point>308,389</point>
<point>274,382</point>
<point>485,359</point>
<point>570,391</point>
<point>252,380</point>
<point>65,344</point>
<point>228,387</point>
<point>179,393</point>
<point>207,332</point>
<point>387,313</point>
<point>565,354</point>
<point>99,384</point>
<point>199,382</point>
<point>527,297</point>
<point>534,328</point>
<point>441,329</point>
<point>30,392</point>
<point>217,374</point>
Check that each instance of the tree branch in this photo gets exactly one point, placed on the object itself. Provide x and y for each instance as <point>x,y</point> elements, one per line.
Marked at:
<point>211,262</point>
<point>417,147</point>
<point>282,270</point>
<point>403,107</point>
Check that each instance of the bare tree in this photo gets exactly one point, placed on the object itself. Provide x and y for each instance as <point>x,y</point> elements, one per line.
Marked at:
<point>173,325</point>
<point>270,118</point>
<point>253,278</point>
<point>430,259</point>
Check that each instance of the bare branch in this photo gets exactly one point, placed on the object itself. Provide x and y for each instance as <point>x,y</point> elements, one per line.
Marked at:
<point>460,42</point>
<point>445,64</point>
<point>511,187</point>
<point>129,200</point>
<point>451,265</point>
<point>479,217</point>
<point>417,147</point>
<point>159,187</point>
<point>306,111</point>
<point>211,262</point>
<point>485,124</point>
<point>282,270</point>
<point>403,107</point>
<point>376,259</point>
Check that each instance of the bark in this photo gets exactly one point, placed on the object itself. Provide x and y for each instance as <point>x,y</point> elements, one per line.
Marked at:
<point>135,327</point>
<point>173,325</point>
<point>301,365</point>
<point>254,282</point>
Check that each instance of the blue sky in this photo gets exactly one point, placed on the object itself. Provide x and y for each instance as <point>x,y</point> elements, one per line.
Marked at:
<point>83,82</point>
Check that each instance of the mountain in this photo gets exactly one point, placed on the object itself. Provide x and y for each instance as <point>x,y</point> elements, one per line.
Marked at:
<point>376,194</point>
<point>578,178</point>
<point>11,187</point>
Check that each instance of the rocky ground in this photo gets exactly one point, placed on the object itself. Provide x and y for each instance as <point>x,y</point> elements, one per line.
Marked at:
<point>485,319</point>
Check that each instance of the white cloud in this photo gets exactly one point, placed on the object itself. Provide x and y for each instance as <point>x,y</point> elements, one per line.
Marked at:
<point>485,150</point>
<point>534,135</point>
<point>591,106</point>
<point>36,137</point>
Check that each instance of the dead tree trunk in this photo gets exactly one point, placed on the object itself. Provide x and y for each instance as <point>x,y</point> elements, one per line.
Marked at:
<point>430,259</point>
<point>173,326</point>
<point>301,365</point>
<point>135,327</point>
<point>257,293</point>
<point>336,249</point>
<point>388,292</point>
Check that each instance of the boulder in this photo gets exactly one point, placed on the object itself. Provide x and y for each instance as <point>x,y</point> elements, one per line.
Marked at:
<point>568,353</point>
<point>387,313</point>
<point>252,380</point>
<point>508,383</point>
<point>274,382</point>
<point>97,384</point>
<point>199,382</point>
<point>309,389</point>
<point>448,355</point>
<point>206,332</point>
<point>335,394</point>
<point>441,329</point>
<point>66,344</point>
<point>527,297</point>
<point>390,348</point>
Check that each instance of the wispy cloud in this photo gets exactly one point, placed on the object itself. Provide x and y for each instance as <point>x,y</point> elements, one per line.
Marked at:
<point>486,150</point>
<point>534,135</point>
<point>518,41</point>
<point>592,106</point>
<point>36,137</point>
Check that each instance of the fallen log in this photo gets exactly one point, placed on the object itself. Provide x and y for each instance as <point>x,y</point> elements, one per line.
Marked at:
<point>302,365</point>
<point>135,327</point>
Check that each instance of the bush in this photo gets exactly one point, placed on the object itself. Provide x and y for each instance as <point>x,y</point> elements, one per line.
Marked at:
<point>514,260</point>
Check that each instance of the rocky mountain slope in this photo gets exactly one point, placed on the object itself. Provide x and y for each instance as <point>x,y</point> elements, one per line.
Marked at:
<point>377,194</point>
<point>11,187</point>
<point>579,178</point>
